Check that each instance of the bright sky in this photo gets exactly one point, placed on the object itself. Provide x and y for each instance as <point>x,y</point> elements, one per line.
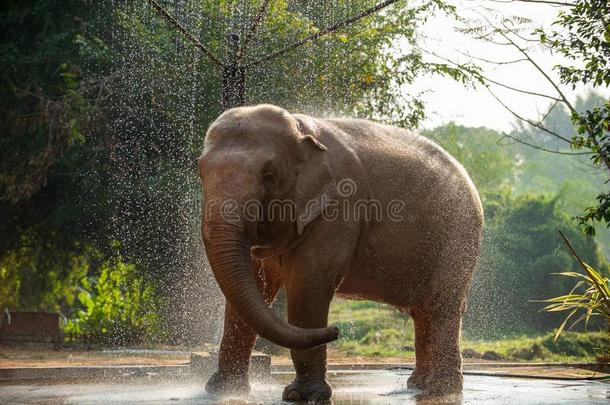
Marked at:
<point>449,101</point>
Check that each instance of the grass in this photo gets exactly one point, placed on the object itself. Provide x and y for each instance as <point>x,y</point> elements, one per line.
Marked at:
<point>370,329</point>
<point>569,347</point>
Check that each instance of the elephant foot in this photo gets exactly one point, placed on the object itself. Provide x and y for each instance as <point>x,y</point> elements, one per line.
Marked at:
<point>439,383</point>
<point>301,390</point>
<point>227,384</point>
<point>416,380</point>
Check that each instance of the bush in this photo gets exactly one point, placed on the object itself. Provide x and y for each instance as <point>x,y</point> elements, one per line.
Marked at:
<point>9,283</point>
<point>118,307</point>
<point>576,344</point>
<point>589,297</point>
<point>533,352</point>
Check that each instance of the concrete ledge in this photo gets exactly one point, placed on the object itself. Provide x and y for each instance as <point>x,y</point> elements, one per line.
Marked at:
<point>547,371</point>
<point>88,372</point>
<point>204,364</point>
<point>201,366</point>
<point>597,367</point>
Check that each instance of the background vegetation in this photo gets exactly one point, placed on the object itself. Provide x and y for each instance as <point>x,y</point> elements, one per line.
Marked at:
<point>103,109</point>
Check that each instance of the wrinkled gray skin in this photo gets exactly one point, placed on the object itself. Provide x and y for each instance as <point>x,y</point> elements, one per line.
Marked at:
<point>421,259</point>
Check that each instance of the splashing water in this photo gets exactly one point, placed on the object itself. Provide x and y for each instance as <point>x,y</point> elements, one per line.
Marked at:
<point>369,387</point>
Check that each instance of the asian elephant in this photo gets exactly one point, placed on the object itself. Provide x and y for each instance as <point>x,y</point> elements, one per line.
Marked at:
<point>375,212</point>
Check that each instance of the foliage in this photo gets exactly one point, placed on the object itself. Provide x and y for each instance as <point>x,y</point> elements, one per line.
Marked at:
<point>117,307</point>
<point>492,166</point>
<point>9,285</point>
<point>572,177</point>
<point>558,120</point>
<point>51,211</point>
<point>519,255</point>
<point>593,301</point>
<point>519,250</point>
<point>584,39</point>
<point>39,99</point>
<point>355,70</point>
<point>32,279</point>
<point>594,133</point>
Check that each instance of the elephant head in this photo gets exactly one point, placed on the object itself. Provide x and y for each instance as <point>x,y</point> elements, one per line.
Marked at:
<point>252,156</point>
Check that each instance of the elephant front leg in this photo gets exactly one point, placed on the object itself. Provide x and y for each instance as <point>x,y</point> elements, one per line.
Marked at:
<point>238,341</point>
<point>308,308</point>
<point>233,358</point>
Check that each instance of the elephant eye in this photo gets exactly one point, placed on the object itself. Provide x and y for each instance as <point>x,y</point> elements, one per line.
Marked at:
<point>268,180</point>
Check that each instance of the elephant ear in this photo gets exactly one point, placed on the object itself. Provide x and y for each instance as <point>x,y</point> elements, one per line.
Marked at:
<point>315,184</point>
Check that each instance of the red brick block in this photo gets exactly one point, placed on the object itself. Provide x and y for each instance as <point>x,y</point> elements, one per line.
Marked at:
<point>29,326</point>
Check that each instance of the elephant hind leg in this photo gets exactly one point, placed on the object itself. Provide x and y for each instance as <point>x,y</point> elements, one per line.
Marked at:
<point>422,350</point>
<point>439,317</point>
<point>438,352</point>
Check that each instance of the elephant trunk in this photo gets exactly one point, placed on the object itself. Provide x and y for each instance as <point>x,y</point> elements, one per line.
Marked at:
<point>228,244</point>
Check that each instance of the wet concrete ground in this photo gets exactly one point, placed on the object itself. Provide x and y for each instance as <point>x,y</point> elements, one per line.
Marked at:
<point>361,387</point>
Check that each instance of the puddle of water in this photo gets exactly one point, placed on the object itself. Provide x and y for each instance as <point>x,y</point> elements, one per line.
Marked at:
<point>364,387</point>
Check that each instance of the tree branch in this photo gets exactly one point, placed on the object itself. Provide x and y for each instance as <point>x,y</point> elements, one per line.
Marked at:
<point>484,36</point>
<point>530,122</point>
<point>487,79</point>
<point>494,62</point>
<point>546,76</point>
<point>548,112</point>
<point>172,21</point>
<point>321,33</point>
<point>551,2</point>
<point>531,93</point>
<point>561,96</point>
<point>531,145</point>
<point>260,16</point>
<point>565,100</point>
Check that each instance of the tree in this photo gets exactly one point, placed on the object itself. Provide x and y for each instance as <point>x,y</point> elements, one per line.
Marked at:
<point>233,70</point>
<point>37,96</point>
<point>518,263</point>
<point>44,222</point>
<point>166,92</point>
<point>583,38</point>
<point>138,98</point>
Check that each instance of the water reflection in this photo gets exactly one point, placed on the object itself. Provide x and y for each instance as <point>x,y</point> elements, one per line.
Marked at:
<point>363,387</point>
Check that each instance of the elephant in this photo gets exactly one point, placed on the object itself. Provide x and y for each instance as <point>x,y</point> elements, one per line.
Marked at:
<point>416,247</point>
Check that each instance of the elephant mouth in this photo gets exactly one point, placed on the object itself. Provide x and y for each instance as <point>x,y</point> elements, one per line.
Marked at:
<point>264,251</point>
<point>268,250</point>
